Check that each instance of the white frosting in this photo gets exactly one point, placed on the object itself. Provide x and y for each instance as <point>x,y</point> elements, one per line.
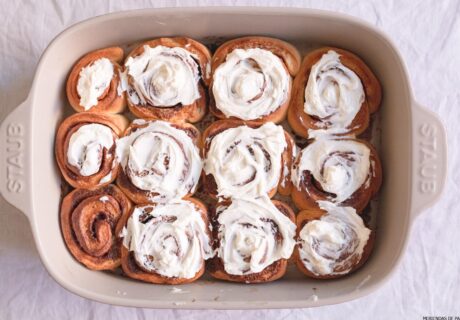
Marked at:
<point>250,84</point>
<point>338,174</point>
<point>86,146</point>
<point>334,243</point>
<point>246,161</point>
<point>104,199</point>
<point>173,240</point>
<point>247,235</point>
<point>162,159</point>
<point>163,77</point>
<point>93,80</point>
<point>334,93</point>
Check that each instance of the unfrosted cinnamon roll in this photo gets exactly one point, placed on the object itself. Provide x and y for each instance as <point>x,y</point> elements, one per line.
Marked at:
<point>244,159</point>
<point>167,79</point>
<point>331,241</point>
<point>94,84</point>
<point>160,161</point>
<point>167,243</point>
<point>85,148</point>
<point>333,93</point>
<point>253,238</point>
<point>251,79</point>
<point>342,171</point>
<point>90,225</point>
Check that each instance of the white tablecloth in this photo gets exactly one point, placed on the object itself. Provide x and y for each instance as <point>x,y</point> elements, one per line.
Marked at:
<point>427,282</point>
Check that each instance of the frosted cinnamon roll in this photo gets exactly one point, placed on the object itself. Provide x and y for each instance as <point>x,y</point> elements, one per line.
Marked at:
<point>167,79</point>
<point>251,79</point>
<point>346,172</point>
<point>333,93</point>
<point>243,160</point>
<point>94,84</point>
<point>160,161</point>
<point>332,241</point>
<point>90,225</point>
<point>254,237</point>
<point>85,148</point>
<point>167,243</point>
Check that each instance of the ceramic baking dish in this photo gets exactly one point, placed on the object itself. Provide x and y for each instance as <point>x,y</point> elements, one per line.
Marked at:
<point>413,153</point>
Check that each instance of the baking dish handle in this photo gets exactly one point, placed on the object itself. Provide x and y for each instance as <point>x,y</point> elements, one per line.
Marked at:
<point>429,158</point>
<point>15,157</point>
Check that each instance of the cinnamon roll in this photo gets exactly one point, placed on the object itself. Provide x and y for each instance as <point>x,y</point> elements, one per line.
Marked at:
<point>251,79</point>
<point>94,84</point>
<point>90,225</point>
<point>332,241</point>
<point>85,148</point>
<point>244,159</point>
<point>333,93</point>
<point>167,79</point>
<point>253,237</point>
<point>160,161</point>
<point>346,172</point>
<point>167,243</point>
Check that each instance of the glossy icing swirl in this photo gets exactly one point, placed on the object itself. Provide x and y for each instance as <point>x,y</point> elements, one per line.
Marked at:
<point>169,239</point>
<point>163,77</point>
<point>162,159</point>
<point>334,243</point>
<point>339,166</point>
<point>252,235</point>
<point>246,161</point>
<point>334,94</point>
<point>250,84</point>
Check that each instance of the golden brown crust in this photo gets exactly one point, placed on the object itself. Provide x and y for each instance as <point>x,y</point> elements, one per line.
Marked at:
<point>275,271</point>
<point>110,101</point>
<point>306,198</point>
<point>209,183</point>
<point>302,122</point>
<point>117,123</point>
<point>135,194</point>
<point>193,112</point>
<point>305,216</point>
<point>285,51</point>
<point>133,270</point>
<point>90,227</point>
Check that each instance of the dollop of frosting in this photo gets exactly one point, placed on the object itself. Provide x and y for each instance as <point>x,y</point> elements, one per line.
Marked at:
<point>340,166</point>
<point>161,159</point>
<point>93,80</point>
<point>253,234</point>
<point>334,243</point>
<point>163,77</point>
<point>169,239</point>
<point>251,83</point>
<point>86,146</point>
<point>334,94</point>
<point>246,161</point>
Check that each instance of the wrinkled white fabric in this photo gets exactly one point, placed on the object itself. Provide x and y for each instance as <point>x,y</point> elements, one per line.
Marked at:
<point>427,33</point>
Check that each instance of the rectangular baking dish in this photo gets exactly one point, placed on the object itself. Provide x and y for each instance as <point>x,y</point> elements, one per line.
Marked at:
<point>413,153</point>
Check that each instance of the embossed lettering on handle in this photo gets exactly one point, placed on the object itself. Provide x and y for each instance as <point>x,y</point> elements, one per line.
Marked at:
<point>15,133</point>
<point>427,166</point>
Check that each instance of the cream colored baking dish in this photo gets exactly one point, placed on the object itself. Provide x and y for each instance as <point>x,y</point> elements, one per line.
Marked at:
<point>413,153</point>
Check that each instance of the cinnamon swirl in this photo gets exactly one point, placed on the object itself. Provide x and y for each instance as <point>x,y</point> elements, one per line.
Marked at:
<point>167,79</point>
<point>251,79</point>
<point>160,161</point>
<point>253,238</point>
<point>333,94</point>
<point>90,225</point>
<point>332,241</point>
<point>167,243</point>
<point>341,171</point>
<point>94,84</point>
<point>85,148</point>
